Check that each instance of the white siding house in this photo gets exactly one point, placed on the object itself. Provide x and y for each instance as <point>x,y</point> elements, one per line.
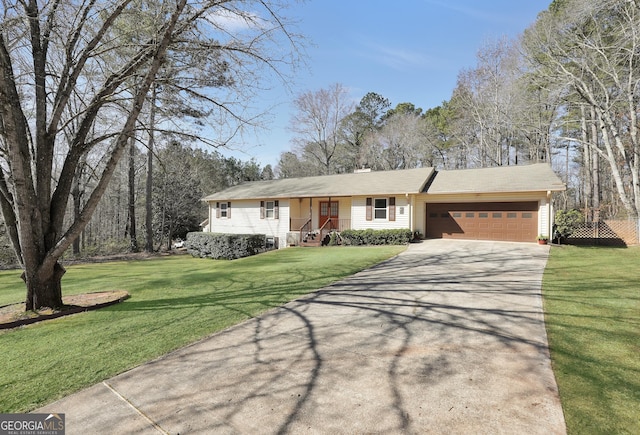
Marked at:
<point>505,203</point>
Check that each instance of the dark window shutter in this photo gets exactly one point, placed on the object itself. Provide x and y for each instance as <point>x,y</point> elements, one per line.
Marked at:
<point>229,210</point>
<point>392,208</point>
<point>261,209</point>
<point>276,209</point>
<point>369,209</point>
<point>217,210</point>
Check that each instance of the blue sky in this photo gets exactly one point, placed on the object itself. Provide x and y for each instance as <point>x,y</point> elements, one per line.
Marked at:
<point>406,51</point>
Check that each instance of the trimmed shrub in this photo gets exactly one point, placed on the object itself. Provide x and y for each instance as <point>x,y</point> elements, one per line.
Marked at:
<point>376,237</point>
<point>224,246</point>
<point>567,221</point>
<point>333,239</point>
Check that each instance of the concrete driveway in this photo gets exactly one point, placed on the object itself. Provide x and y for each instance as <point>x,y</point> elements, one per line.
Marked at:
<point>448,337</point>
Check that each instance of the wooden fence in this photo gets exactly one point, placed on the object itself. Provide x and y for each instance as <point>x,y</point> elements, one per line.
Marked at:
<point>607,233</point>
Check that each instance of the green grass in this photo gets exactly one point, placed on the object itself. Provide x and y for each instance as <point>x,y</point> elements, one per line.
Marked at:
<point>592,308</point>
<point>174,301</point>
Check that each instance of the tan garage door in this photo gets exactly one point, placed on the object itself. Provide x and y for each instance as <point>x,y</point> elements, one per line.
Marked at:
<point>506,221</point>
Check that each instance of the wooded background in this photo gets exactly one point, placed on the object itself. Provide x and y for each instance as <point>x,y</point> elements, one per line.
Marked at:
<point>565,92</point>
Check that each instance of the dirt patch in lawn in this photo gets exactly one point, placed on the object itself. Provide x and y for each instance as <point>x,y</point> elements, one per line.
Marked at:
<point>14,315</point>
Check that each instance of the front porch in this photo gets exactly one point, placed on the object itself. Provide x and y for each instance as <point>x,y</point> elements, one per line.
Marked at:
<point>309,236</point>
<point>313,219</point>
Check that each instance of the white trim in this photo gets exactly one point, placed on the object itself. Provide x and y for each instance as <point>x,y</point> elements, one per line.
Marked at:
<point>385,208</point>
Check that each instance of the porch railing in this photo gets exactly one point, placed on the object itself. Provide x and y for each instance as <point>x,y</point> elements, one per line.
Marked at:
<point>304,224</point>
<point>304,228</point>
<point>334,225</point>
<point>299,224</point>
<point>342,224</point>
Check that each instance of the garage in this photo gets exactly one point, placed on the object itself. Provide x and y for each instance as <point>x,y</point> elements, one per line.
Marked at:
<point>503,221</point>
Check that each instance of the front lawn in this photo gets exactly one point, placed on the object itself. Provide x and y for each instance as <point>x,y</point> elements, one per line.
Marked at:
<point>592,309</point>
<point>174,301</point>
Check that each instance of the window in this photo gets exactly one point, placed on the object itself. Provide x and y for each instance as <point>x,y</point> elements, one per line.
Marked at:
<point>457,214</point>
<point>269,209</point>
<point>497,215</point>
<point>380,208</point>
<point>527,215</point>
<point>483,215</point>
<point>334,209</point>
<point>223,210</point>
<point>377,208</point>
<point>512,215</point>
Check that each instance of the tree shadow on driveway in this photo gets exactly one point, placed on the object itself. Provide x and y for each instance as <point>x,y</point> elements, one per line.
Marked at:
<point>444,338</point>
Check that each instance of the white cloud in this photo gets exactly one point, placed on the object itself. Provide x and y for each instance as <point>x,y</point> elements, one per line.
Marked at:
<point>398,58</point>
<point>234,20</point>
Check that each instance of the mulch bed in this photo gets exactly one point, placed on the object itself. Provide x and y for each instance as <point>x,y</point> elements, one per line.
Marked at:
<point>14,315</point>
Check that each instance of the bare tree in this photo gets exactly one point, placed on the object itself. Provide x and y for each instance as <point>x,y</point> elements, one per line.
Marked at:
<point>58,77</point>
<point>399,144</point>
<point>441,148</point>
<point>485,97</point>
<point>590,49</point>
<point>316,124</point>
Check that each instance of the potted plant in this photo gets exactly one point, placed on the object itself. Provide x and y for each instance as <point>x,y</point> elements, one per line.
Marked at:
<point>542,239</point>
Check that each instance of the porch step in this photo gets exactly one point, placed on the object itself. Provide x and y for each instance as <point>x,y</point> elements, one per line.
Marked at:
<point>311,242</point>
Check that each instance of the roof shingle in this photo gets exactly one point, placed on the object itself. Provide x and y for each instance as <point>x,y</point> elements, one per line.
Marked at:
<point>522,178</point>
<point>353,184</point>
<point>501,179</point>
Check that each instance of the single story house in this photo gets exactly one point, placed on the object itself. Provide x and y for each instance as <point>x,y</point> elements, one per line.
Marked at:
<point>507,203</point>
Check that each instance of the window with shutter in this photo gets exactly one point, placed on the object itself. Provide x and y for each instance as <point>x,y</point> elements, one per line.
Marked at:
<point>380,208</point>
<point>269,209</point>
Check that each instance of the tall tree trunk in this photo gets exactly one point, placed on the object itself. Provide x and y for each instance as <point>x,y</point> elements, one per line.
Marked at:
<point>63,94</point>
<point>595,168</point>
<point>587,182</point>
<point>44,287</point>
<point>132,196</point>
<point>149,188</point>
<point>608,129</point>
<point>77,193</point>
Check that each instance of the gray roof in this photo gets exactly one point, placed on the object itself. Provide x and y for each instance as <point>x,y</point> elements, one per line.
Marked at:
<point>521,178</point>
<point>354,184</point>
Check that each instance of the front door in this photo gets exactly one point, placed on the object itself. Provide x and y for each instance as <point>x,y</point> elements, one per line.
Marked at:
<point>329,210</point>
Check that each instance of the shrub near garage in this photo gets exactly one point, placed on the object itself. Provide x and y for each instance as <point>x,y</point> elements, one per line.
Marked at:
<point>224,246</point>
<point>567,221</point>
<point>376,237</point>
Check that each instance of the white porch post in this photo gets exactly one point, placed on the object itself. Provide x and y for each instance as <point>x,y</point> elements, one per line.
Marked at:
<point>410,211</point>
<point>549,215</point>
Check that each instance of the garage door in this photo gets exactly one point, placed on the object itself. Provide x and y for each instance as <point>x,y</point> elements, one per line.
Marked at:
<point>506,221</point>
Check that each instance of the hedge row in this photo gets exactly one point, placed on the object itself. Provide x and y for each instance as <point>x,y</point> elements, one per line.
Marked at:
<point>376,237</point>
<point>224,246</point>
